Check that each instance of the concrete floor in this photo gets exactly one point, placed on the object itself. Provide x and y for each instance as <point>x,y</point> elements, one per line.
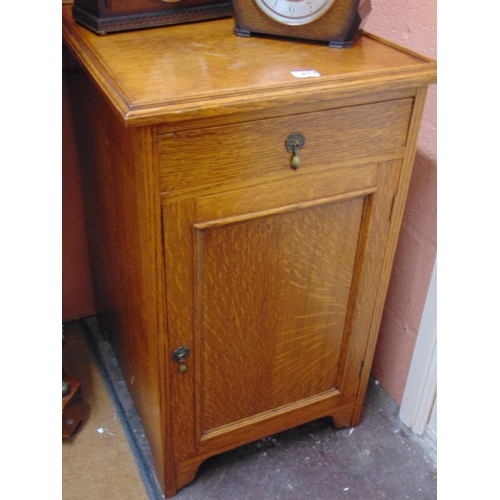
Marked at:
<point>379,459</point>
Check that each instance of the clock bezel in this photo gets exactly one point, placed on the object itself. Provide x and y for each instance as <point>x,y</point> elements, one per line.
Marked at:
<point>295,21</point>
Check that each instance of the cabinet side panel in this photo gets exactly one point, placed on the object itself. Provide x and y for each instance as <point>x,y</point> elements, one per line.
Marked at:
<point>124,231</point>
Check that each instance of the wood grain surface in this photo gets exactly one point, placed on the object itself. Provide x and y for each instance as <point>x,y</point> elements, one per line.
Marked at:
<point>258,147</point>
<point>122,205</point>
<point>273,277</point>
<point>153,76</point>
<point>274,303</point>
<point>201,235</point>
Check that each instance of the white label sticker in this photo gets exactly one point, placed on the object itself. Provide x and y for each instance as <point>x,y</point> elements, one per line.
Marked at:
<point>305,74</point>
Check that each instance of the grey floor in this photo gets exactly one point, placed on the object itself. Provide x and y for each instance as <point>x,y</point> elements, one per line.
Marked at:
<point>379,459</point>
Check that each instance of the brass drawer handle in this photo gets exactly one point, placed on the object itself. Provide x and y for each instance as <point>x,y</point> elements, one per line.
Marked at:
<point>294,143</point>
<point>180,355</point>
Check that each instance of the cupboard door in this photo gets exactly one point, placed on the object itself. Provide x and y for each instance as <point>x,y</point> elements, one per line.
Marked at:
<point>272,288</point>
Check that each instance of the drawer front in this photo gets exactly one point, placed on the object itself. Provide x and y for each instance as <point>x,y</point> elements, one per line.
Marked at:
<point>214,155</point>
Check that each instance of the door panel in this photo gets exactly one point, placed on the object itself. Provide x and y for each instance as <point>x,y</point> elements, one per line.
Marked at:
<point>274,293</point>
<point>273,299</point>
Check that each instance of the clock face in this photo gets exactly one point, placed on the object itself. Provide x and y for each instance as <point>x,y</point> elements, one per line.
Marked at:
<point>294,12</point>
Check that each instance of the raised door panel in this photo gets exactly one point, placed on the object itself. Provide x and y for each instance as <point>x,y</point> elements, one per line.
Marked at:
<point>264,287</point>
<point>273,297</point>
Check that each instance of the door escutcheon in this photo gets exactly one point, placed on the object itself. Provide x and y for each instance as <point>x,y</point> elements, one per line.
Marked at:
<point>179,356</point>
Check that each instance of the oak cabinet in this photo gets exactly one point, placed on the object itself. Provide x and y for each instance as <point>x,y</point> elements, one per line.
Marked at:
<point>203,237</point>
<point>279,282</point>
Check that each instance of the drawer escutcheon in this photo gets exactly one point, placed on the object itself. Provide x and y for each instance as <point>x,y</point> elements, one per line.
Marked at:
<point>294,143</point>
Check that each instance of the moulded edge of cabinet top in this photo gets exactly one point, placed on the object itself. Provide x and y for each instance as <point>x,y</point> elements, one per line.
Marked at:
<point>202,70</point>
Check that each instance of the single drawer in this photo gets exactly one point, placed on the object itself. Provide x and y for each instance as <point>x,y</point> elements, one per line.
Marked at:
<point>214,155</point>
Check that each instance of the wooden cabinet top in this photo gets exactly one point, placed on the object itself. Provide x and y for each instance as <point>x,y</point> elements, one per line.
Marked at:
<point>202,70</point>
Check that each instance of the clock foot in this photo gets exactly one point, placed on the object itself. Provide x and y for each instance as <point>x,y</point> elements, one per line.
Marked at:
<point>336,44</point>
<point>240,32</point>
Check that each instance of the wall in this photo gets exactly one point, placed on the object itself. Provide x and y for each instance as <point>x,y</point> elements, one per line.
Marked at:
<point>77,297</point>
<point>412,24</point>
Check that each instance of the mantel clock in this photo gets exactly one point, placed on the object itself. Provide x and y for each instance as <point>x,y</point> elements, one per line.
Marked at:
<point>336,22</point>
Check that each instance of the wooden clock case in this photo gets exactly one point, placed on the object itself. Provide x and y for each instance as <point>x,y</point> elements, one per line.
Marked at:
<point>106,16</point>
<point>339,26</point>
